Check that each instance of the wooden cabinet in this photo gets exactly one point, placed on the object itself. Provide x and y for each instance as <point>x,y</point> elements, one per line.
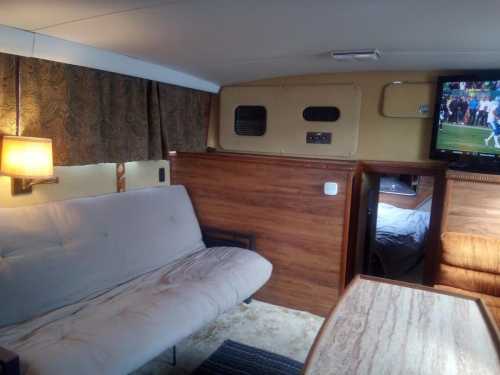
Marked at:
<point>302,231</point>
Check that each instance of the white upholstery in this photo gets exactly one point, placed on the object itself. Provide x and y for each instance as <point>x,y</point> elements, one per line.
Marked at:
<point>124,328</point>
<point>58,253</point>
<point>102,285</point>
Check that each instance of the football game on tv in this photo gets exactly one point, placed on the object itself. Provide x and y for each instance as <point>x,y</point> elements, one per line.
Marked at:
<point>469,118</point>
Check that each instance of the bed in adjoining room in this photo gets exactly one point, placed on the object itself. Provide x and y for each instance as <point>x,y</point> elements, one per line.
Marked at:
<point>403,216</point>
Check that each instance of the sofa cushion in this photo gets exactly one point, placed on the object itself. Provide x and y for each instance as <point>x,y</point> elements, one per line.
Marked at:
<point>58,253</point>
<point>470,262</point>
<point>473,252</point>
<point>119,331</point>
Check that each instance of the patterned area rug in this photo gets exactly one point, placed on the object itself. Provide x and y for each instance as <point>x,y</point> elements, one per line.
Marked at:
<point>233,358</point>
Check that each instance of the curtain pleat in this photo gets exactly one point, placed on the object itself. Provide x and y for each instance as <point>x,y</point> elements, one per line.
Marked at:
<point>94,116</point>
<point>7,94</point>
<point>185,115</point>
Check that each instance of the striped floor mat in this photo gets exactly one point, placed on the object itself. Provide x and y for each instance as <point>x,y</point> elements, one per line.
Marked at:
<point>233,358</point>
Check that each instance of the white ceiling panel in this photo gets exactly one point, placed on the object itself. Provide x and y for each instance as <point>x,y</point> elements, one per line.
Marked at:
<point>35,14</point>
<point>229,41</point>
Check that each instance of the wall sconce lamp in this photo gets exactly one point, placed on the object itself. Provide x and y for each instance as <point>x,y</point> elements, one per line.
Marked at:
<point>28,161</point>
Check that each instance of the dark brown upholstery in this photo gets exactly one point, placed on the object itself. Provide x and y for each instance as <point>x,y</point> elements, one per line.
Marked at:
<point>470,264</point>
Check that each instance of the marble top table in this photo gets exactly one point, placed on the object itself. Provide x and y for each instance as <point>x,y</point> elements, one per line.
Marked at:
<point>385,327</point>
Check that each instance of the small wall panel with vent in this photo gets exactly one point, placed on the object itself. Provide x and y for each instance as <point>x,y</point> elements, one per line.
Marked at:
<point>306,120</point>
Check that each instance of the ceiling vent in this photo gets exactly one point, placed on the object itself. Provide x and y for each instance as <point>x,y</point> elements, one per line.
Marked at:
<point>361,55</point>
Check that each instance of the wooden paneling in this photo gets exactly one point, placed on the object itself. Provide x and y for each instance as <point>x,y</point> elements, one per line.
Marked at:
<point>469,260</point>
<point>300,230</point>
<point>472,204</point>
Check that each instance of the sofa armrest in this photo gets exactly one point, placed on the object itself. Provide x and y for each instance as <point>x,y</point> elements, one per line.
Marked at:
<point>9,362</point>
<point>214,237</point>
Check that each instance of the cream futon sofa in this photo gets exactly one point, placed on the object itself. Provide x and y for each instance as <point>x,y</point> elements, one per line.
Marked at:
<point>102,285</point>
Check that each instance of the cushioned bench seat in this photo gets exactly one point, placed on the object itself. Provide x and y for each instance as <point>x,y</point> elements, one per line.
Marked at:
<point>103,285</point>
<point>470,265</point>
<point>125,327</point>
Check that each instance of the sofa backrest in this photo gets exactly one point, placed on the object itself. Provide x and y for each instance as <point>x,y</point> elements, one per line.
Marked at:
<point>58,253</point>
<point>470,262</point>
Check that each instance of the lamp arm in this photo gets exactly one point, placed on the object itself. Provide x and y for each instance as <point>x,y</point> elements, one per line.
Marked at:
<point>51,180</point>
<point>25,185</point>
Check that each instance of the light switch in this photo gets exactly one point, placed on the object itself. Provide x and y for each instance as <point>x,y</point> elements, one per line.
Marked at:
<point>330,188</point>
<point>161,175</point>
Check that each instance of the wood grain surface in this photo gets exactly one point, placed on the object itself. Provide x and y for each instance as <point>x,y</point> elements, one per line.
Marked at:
<point>382,327</point>
<point>303,232</point>
<point>472,204</point>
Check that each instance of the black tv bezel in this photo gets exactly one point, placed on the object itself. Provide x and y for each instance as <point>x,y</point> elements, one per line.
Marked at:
<point>435,153</point>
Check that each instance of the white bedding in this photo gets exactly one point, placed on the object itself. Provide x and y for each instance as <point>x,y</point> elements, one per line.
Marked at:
<point>400,237</point>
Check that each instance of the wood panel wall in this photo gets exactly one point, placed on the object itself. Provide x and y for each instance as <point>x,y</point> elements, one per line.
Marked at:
<point>472,204</point>
<point>303,232</point>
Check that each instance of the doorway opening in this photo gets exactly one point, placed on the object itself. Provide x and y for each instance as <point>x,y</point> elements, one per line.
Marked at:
<point>398,226</point>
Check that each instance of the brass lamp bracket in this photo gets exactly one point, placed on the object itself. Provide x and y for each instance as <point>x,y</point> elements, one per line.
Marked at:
<point>25,185</point>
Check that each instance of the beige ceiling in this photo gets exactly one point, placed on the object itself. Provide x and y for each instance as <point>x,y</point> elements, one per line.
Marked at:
<point>229,41</point>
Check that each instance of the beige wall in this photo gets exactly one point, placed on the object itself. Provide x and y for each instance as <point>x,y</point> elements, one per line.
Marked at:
<point>84,181</point>
<point>286,129</point>
<point>380,138</point>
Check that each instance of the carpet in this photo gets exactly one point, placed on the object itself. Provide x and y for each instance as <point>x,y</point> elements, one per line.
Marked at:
<point>233,358</point>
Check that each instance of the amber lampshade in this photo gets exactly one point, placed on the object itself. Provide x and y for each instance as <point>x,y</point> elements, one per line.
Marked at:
<point>26,157</point>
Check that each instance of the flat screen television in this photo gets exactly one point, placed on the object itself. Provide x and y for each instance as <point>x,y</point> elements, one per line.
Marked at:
<point>466,128</point>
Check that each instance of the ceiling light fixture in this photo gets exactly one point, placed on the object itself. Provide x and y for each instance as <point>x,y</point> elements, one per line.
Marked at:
<point>361,55</point>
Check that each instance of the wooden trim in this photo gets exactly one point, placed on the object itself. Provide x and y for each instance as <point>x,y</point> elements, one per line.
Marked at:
<point>447,186</point>
<point>433,250</point>
<point>396,167</point>
<point>473,177</point>
<point>351,228</point>
<point>272,159</point>
<point>346,233</point>
<point>121,180</point>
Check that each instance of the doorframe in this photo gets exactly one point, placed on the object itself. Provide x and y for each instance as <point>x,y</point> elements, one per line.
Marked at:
<point>437,170</point>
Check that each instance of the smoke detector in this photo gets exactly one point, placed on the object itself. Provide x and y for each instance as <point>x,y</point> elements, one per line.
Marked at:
<point>361,55</point>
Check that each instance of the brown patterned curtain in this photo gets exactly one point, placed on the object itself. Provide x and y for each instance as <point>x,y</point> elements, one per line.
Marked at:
<point>7,94</point>
<point>94,116</point>
<point>184,117</point>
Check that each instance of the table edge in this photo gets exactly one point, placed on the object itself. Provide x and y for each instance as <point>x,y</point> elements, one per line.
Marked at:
<point>490,323</point>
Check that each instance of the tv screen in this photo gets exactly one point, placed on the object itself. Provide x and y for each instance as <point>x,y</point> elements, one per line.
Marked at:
<point>467,118</point>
